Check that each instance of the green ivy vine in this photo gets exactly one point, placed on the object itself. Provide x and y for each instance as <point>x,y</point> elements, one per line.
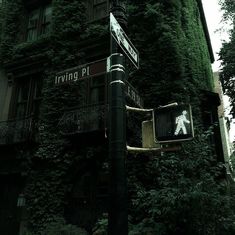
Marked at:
<point>173,56</point>
<point>50,161</point>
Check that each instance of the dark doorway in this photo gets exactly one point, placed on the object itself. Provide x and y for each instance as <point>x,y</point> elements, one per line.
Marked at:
<point>9,219</point>
<point>88,200</point>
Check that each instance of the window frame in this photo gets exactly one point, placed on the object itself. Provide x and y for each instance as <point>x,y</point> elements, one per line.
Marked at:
<point>40,24</point>
<point>91,8</point>
<point>97,87</point>
<point>33,100</point>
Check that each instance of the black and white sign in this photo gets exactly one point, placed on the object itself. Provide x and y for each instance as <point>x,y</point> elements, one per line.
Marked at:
<point>133,95</point>
<point>173,124</point>
<point>123,41</point>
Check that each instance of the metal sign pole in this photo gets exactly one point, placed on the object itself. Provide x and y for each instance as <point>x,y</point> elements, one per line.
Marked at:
<point>118,215</point>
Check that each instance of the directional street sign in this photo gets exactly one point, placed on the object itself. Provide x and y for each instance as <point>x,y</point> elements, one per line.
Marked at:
<point>173,124</point>
<point>133,95</point>
<point>123,41</point>
<point>80,72</point>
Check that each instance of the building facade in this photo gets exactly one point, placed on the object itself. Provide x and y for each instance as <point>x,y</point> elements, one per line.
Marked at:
<point>53,137</point>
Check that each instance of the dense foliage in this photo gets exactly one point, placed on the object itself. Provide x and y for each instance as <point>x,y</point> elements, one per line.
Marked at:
<point>176,193</point>
<point>228,6</point>
<point>181,192</point>
<point>227,53</point>
<point>169,59</point>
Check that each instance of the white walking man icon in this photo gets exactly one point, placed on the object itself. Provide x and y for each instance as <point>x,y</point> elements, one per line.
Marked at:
<point>180,121</point>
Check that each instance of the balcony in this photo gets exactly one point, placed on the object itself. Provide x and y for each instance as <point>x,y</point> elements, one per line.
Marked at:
<point>84,119</point>
<point>16,131</point>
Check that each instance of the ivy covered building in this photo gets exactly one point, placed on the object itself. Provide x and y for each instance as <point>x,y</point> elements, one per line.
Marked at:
<point>53,138</point>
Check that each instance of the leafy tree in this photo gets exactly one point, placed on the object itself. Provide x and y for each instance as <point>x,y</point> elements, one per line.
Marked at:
<point>227,53</point>
<point>228,6</point>
<point>180,194</point>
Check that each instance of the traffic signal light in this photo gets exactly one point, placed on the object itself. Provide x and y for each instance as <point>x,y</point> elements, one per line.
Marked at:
<point>173,124</point>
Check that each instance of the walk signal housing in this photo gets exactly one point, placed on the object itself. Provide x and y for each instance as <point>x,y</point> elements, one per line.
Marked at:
<point>173,124</point>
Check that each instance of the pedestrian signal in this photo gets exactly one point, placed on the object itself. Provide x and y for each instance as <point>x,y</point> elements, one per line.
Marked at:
<point>173,124</point>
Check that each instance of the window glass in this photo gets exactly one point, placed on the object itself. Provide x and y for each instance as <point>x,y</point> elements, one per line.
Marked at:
<point>28,97</point>
<point>97,9</point>
<point>22,99</point>
<point>32,25</point>
<point>23,91</point>
<point>100,10</point>
<point>46,19</point>
<point>39,22</point>
<point>36,96</point>
<point>97,90</point>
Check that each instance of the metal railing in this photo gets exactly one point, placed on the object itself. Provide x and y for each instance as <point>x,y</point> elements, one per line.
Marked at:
<point>16,131</point>
<point>83,119</point>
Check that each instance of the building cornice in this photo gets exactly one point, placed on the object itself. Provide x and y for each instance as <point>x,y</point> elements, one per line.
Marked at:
<point>205,28</point>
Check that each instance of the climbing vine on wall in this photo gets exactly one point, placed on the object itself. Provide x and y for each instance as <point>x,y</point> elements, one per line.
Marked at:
<point>174,66</point>
<point>10,28</point>
<point>173,50</point>
<point>48,165</point>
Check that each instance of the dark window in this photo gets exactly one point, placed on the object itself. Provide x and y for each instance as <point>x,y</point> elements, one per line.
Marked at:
<point>88,113</point>
<point>97,9</point>
<point>90,91</point>
<point>209,107</point>
<point>27,97</point>
<point>97,90</point>
<point>39,21</point>
<point>22,98</point>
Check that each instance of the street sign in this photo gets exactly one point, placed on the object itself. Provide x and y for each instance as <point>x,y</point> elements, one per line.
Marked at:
<point>173,124</point>
<point>133,95</point>
<point>123,41</point>
<point>80,72</point>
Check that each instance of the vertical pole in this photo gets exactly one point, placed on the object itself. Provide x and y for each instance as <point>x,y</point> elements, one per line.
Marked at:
<point>118,215</point>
